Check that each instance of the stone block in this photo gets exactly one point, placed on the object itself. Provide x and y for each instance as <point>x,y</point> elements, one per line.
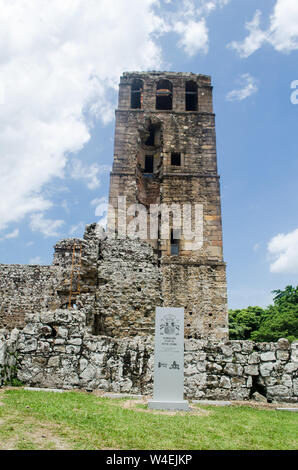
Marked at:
<point>29,345</point>
<point>238,382</point>
<point>286,380</point>
<point>283,344</point>
<point>88,373</point>
<point>241,358</point>
<point>233,369</point>
<point>251,370</point>
<point>62,332</point>
<point>295,386</point>
<point>75,341</point>
<point>268,356</point>
<point>278,391</point>
<point>54,361</point>
<point>259,398</point>
<point>47,317</point>
<point>294,351</point>
<point>225,382</point>
<point>282,355</point>
<point>291,367</point>
<point>266,369</point>
<point>254,358</point>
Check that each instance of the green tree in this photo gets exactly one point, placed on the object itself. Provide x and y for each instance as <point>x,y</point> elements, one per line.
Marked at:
<point>279,320</point>
<point>287,296</point>
<point>242,322</point>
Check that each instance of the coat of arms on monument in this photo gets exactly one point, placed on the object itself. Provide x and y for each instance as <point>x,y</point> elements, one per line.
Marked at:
<point>169,325</point>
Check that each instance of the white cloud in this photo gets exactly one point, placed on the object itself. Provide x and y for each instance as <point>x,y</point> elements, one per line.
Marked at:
<point>282,32</point>
<point>35,260</point>
<point>284,248</point>
<point>207,6</point>
<point>59,62</point>
<point>77,229</point>
<point>101,210</point>
<point>248,87</point>
<point>254,40</point>
<point>14,234</point>
<point>189,21</point>
<point>194,36</point>
<point>101,205</point>
<point>88,173</point>
<point>48,227</point>
<point>284,26</point>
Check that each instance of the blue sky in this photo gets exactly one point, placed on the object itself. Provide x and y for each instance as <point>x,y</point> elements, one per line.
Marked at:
<point>60,65</point>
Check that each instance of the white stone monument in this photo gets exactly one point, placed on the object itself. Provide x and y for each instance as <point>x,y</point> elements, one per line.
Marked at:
<point>169,360</point>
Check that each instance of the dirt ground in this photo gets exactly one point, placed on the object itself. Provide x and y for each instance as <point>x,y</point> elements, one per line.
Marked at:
<point>132,402</point>
<point>31,433</point>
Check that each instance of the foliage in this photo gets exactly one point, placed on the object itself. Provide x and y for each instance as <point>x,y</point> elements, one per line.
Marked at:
<point>279,320</point>
<point>9,371</point>
<point>242,322</point>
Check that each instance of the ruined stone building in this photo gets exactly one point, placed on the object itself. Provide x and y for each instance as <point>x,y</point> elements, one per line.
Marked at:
<point>164,154</point>
<point>87,320</point>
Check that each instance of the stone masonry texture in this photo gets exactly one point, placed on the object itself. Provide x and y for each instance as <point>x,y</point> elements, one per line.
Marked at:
<point>87,320</point>
<point>122,280</point>
<point>193,279</point>
<point>56,350</point>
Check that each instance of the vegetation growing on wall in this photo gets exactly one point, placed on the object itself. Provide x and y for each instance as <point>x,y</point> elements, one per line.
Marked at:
<point>8,372</point>
<point>279,320</point>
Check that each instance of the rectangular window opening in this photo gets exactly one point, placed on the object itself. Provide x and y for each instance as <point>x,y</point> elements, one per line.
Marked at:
<point>191,101</point>
<point>135,99</point>
<point>148,164</point>
<point>175,237</point>
<point>175,159</point>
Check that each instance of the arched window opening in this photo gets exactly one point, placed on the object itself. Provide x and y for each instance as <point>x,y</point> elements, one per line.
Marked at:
<point>136,97</point>
<point>164,95</point>
<point>191,96</point>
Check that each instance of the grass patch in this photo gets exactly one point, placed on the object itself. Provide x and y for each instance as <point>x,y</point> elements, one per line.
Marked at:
<point>77,420</point>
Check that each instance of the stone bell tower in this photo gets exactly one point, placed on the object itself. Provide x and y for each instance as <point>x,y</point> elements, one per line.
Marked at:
<point>165,156</point>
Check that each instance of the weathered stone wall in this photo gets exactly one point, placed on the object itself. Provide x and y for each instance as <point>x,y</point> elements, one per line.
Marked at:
<point>201,289</point>
<point>178,80</point>
<point>195,278</point>
<point>56,350</point>
<point>26,289</point>
<point>128,290</point>
<point>119,283</point>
